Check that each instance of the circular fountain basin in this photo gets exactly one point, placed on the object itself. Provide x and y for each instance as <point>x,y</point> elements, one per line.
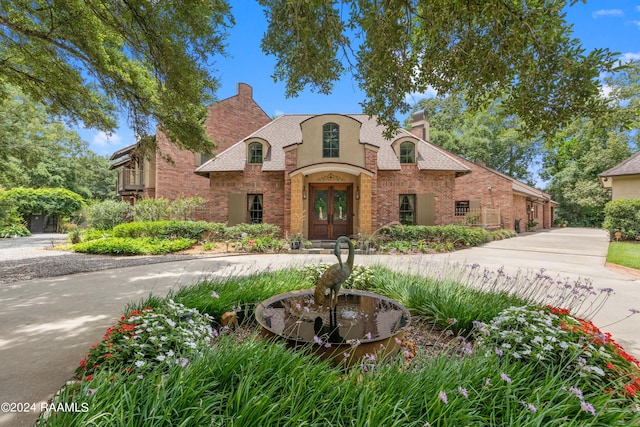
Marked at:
<point>367,324</point>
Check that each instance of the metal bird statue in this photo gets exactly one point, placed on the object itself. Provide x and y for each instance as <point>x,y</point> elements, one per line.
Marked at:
<point>333,278</point>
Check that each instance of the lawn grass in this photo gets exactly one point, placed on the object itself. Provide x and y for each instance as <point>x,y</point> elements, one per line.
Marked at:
<point>624,253</point>
<point>244,381</point>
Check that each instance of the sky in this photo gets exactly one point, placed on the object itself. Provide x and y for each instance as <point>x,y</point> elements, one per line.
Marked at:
<point>612,24</point>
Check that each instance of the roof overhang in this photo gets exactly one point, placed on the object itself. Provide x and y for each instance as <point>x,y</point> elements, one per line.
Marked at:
<point>331,167</point>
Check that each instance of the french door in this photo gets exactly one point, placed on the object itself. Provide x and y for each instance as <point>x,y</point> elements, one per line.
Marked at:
<point>330,211</point>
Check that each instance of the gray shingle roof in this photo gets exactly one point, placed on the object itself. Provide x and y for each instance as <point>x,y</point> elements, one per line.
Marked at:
<point>285,131</point>
<point>631,166</point>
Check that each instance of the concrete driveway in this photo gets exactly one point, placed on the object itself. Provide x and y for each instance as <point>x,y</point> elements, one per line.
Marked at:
<point>48,325</point>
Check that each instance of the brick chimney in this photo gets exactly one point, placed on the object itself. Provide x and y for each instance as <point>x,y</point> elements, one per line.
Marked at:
<point>420,125</point>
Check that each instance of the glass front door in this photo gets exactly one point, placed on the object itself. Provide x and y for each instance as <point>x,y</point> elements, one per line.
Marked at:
<point>330,211</point>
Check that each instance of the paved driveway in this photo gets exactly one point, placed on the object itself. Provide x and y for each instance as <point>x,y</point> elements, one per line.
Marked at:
<point>47,325</point>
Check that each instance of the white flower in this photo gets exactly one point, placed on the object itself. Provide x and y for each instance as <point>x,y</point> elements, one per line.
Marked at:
<point>160,357</point>
<point>140,363</point>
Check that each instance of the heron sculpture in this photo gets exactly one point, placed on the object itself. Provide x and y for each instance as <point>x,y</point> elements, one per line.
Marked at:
<point>332,279</point>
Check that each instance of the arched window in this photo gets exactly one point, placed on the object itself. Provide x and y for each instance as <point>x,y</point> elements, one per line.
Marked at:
<point>407,152</point>
<point>255,152</point>
<point>330,140</point>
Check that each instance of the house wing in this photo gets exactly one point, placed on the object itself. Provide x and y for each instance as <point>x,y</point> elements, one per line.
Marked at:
<point>630,166</point>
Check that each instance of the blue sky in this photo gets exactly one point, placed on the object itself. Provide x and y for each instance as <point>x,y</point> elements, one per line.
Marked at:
<point>598,24</point>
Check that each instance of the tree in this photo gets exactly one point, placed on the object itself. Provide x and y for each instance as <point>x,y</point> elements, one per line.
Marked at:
<point>39,152</point>
<point>487,136</point>
<point>523,51</point>
<point>86,59</point>
<point>588,146</point>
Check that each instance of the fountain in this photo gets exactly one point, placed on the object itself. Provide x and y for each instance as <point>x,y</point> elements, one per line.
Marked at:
<point>344,325</point>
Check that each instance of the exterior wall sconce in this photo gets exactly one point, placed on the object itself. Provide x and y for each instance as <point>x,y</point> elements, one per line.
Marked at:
<point>304,193</point>
<point>358,193</point>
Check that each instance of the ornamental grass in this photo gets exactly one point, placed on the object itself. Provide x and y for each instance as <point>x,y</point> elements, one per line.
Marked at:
<point>516,360</point>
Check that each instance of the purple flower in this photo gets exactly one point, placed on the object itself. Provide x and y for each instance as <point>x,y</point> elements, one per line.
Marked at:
<point>577,392</point>
<point>317,340</point>
<point>588,407</point>
<point>634,310</point>
<point>606,290</point>
<point>499,351</point>
<point>90,391</point>
<point>463,391</point>
<point>505,377</point>
<point>443,396</point>
<point>214,294</point>
<point>529,406</point>
<point>368,336</point>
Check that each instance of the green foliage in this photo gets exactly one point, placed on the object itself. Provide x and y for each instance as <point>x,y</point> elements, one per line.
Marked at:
<point>15,230</point>
<point>459,235</point>
<point>107,214</point>
<point>624,253</point>
<point>49,201</point>
<point>147,338</point>
<point>131,246</point>
<point>152,210</point>
<point>241,231</point>
<point>488,136</point>
<point>235,376</point>
<point>184,208</point>
<point>623,215</point>
<point>151,59</point>
<point>40,152</point>
<point>261,244</point>
<point>361,277</point>
<point>525,55</point>
<point>215,297</point>
<point>162,229</point>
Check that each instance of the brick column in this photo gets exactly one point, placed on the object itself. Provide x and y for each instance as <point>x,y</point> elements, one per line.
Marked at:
<point>364,214</point>
<point>296,209</point>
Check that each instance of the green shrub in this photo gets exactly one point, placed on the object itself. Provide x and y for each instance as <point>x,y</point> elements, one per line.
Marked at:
<point>133,246</point>
<point>623,215</point>
<point>162,229</point>
<point>48,201</point>
<point>94,234</point>
<point>361,277</point>
<point>107,214</point>
<point>261,244</point>
<point>241,231</point>
<point>184,209</point>
<point>459,235</point>
<point>15,230</point>
<point>152,210</point>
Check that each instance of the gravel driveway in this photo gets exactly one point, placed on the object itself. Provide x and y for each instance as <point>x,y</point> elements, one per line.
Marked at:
<point>26,258</point>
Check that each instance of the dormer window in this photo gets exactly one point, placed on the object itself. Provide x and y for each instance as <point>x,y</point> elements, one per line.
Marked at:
<point>330,140</point>
<point>407,152</point>
<point>255,152</point>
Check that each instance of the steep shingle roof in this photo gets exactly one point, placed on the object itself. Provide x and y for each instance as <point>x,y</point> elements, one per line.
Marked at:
<point>285,131</point>
<point>631,166</point>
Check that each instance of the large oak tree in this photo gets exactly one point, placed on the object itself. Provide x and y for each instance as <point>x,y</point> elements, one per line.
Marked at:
<point>89,59</point>
<point>483,48</point>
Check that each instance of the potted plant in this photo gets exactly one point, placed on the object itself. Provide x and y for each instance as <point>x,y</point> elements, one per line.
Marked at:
<point>531,225</point>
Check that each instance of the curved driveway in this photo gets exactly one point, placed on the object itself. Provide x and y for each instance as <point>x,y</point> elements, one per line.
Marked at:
<point>47,325</point>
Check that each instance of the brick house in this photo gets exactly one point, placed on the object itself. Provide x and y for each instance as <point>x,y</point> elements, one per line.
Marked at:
<point>328,175</point>
<point>227,122</point>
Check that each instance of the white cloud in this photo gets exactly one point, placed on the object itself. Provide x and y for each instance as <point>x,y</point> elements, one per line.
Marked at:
<point>637,23</point>
<point>414,97</point>
<point>629,56</point>
<point>279,113</point>
<point>607,12</point>
<point>605,91</point>
<point>103,139</point>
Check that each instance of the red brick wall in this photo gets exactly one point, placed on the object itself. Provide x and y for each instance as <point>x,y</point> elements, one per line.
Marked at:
<point>227,122</point>
<point>411,180</point>
<point>492,190</point>
<point>371,163</point>
<point>520,210</point>
<point>251,181</point>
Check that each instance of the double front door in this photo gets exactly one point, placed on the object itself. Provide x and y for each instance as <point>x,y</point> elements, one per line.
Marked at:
<point>330,211</point>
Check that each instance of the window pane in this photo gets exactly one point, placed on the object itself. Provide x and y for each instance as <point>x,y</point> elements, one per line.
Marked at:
<point>254,202</point>
<point>407,209</point>
<point>462,207</point>
<point>330,140</point>
<point>255,152</point>
<point>407,152</point>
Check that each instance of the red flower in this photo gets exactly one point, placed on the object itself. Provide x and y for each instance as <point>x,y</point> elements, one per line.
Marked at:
<point>610,366</point>
<point>83,362</point>
<point>88,378</point>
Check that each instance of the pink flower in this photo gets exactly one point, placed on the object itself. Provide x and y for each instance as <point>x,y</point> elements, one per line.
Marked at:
<point>505,377</point>
<point>443,396</point>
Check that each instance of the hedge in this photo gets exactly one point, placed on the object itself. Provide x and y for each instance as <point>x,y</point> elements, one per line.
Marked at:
<point>457,234</point>
<point>623,215</point>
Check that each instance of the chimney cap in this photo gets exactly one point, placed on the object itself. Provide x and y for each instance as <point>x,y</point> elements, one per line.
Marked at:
<point>419,116</point>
